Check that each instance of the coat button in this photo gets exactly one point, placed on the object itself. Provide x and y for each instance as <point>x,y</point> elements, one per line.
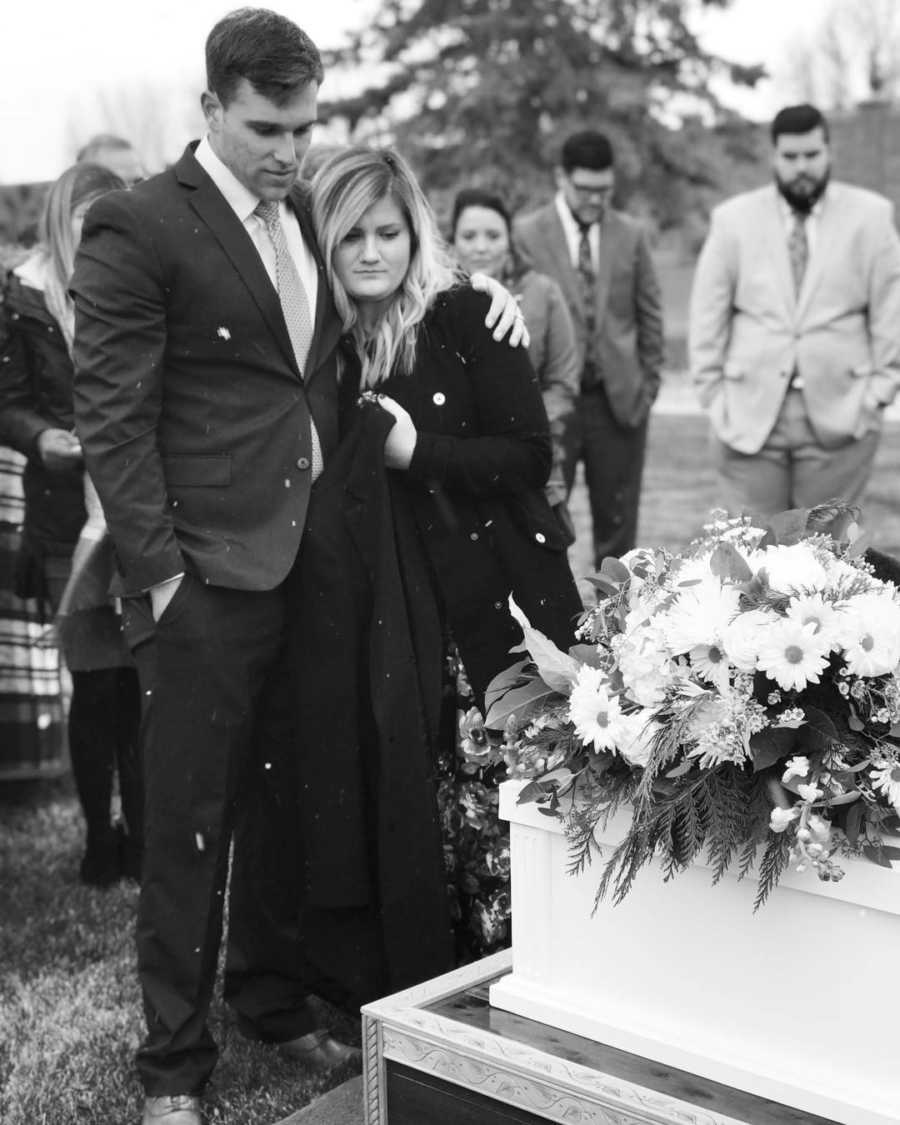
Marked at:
<point>474,536</point>
<point>540,537</point>
<point>439,398</point>
<point>302,462</point>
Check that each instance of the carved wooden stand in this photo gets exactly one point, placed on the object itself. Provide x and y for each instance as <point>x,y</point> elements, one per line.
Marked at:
<point>440,1053</point>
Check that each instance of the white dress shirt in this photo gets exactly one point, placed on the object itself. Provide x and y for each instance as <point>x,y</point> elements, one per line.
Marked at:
<point>243,202</point>
<point>573,233</point>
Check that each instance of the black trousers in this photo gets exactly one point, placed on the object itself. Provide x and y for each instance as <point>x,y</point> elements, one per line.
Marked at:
<point>218,762</point>
<point>613,457</point>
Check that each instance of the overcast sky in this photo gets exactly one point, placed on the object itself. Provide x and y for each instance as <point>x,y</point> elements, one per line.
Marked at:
<point>72,67</point>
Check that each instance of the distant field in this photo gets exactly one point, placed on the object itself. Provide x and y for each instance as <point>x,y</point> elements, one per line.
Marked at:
<point>679,490</point>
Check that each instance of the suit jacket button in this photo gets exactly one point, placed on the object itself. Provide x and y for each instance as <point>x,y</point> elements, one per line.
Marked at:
<point>302,462</point>
<point>540,537</point>
<point>439,399</point>
<point>473,536</point>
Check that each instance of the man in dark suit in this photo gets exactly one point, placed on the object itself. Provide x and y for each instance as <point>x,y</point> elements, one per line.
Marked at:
<point>206,401</point>
<point>601,259</point>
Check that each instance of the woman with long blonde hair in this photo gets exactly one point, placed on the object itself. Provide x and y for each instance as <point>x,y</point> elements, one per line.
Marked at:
<point>36,417</point>
<point>428,519</point>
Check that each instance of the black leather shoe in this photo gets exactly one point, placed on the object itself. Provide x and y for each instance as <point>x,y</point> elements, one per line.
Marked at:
<point>172,1109</point>
<point>320,1051</point>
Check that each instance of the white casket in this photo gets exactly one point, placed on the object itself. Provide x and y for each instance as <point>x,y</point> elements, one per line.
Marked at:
<point>799,1002</point>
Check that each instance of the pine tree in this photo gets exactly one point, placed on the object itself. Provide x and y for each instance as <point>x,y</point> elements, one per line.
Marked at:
<point>483,91</point>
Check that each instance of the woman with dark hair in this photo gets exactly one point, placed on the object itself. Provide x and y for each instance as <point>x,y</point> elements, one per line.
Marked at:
<point>481,236</point>
<point>36,417</point>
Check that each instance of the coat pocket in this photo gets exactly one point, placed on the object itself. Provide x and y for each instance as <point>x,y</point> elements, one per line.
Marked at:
<point>197,470</point>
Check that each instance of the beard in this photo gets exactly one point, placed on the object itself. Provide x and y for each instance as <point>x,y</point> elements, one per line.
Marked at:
<point>803,193</point>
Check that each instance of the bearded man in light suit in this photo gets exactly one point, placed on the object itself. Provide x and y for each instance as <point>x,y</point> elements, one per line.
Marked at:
<point>601,260</point>
<point>795,329</point>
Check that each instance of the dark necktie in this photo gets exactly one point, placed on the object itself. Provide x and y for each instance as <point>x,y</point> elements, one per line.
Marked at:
<point>589,374</point>
<point>294,304</point>
<point>798,248</point>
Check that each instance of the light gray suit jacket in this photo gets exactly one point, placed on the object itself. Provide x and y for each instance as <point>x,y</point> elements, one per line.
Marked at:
<point>749,330</point>
<point>628,314</point>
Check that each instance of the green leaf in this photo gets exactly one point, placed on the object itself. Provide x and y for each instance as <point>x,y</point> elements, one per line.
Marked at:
<point>614,570</point>
<point>819,732</point>
<point>680,771</point>
<point>503,681</point>
<point>726,561</point>
<point>586,654</point>
<point>557,669</point>
<point>876,855</point>
<point>854,820</point>
<point>532,792</point>
<point>523,702</point>
<point>844,799</point>
<point>854,722</point>
<point>790,526</point>
<point>769,746</point>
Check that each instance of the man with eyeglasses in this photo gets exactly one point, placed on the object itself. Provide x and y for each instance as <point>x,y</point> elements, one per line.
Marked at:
<point>601,259</point>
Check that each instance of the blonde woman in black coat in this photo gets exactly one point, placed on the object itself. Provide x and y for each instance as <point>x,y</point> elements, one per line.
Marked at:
<point>470,446</point>
<point>37,418</point>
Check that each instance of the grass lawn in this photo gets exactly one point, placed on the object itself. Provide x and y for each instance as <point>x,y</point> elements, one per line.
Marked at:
<point>69,1005</point>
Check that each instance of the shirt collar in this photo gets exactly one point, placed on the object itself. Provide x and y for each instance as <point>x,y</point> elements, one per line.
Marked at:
<point>239,198</point>
<point>570,224</point>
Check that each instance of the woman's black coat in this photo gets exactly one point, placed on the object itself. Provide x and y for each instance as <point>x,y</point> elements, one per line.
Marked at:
<point>36,379</point>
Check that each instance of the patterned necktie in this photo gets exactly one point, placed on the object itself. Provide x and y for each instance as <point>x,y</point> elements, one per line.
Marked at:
<point>589,296</point>
<point>294,304</point>
<point>798,249</point>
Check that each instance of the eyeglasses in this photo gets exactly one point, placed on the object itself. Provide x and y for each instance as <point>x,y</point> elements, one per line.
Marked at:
<point>588,191</point>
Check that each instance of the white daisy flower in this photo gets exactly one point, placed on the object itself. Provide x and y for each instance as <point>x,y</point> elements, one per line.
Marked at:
<point>812,609</point>
<point>809,793</point>
<point>871,634</point>
<point>792,654</point>
<point>710,662</point>
<point>595,713</point>
<point>886,780</point>
<point>700,615</point>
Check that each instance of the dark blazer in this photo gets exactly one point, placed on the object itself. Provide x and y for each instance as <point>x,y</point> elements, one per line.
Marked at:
<point>35,395</point>
<point>475,486</point>
<point>628,313</point>
<point>192,412</point>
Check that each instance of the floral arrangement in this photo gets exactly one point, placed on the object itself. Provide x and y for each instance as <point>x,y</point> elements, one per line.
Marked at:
<point>741,698</point>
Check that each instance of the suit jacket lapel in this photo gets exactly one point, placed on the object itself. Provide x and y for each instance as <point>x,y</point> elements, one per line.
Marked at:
<point>556,247</point>
<point>327,326</point>
<point>213,209</point>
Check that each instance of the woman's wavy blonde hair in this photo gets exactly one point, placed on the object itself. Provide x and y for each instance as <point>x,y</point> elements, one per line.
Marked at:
<point>344,188</point>
<point>80,184</point>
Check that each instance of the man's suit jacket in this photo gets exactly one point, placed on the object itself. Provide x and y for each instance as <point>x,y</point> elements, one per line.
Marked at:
<point>749,330</point>
<point>189,403</point>
<point>628,315</point>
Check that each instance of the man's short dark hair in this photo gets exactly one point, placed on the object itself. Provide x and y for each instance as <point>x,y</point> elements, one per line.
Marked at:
<point>586,149</point>
<point>99,143</point>
<point>795,120</point>
<point>267,49</point>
